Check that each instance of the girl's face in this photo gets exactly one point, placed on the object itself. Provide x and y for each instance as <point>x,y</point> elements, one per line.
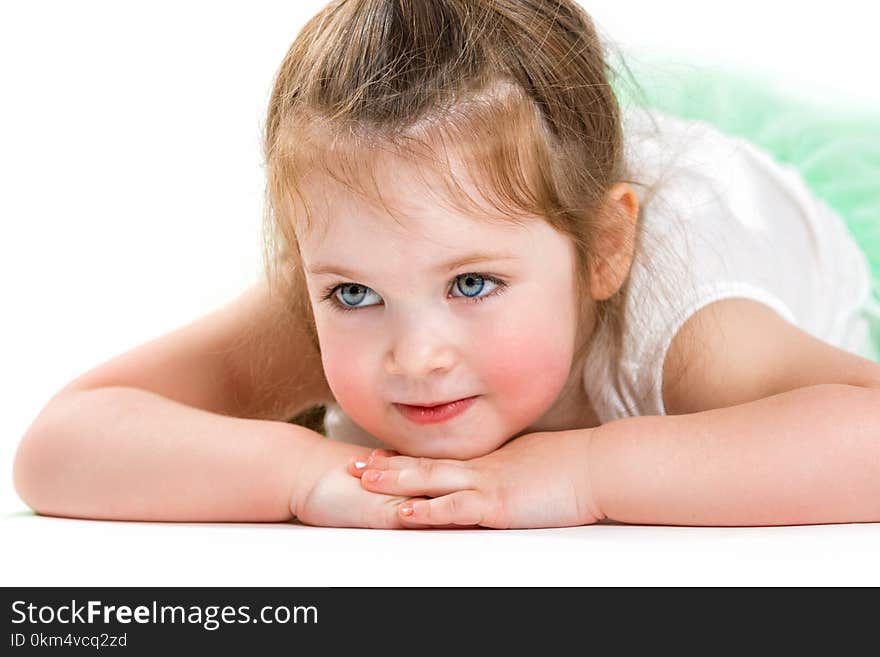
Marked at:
<point>402,323</point>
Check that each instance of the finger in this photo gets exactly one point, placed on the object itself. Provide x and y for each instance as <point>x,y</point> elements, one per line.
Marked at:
<point>407,523</point>
<point>378,458</point>
<point>427,478</point>
<point>386,516</point>
<point>395,520</point>
<point>357,465</point>
<point>379,462</point>
<point>466,507</point>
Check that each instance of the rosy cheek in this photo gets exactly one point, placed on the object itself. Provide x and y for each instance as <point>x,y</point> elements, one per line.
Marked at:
<point>526,369</point>
<point>346,366</point>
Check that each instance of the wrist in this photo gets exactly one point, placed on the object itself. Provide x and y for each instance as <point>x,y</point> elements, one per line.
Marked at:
<point>303,467</point>
<point>316,455</point>
<point>588,490</point>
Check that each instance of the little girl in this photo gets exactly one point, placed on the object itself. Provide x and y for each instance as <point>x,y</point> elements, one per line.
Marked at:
<point>543,310</point>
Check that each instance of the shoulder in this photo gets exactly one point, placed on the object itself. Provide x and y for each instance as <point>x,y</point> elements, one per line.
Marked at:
<point>731,270</point>
<point>737,350</point>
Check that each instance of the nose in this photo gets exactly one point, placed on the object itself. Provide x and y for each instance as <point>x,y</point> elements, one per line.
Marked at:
<point>419,350</point>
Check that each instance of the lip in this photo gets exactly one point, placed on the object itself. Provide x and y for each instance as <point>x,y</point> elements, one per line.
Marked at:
<point>434,414</point>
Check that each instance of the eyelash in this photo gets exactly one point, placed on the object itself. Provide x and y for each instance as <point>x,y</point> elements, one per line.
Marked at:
<point>329,293</point>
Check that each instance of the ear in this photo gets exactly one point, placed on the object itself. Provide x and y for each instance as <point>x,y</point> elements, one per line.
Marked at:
<point>615,241</point>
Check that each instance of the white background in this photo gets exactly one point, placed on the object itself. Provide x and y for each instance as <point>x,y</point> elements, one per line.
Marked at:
<point>131,189</point>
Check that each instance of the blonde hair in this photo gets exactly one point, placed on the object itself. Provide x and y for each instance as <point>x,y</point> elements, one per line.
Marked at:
<point>520,89</point>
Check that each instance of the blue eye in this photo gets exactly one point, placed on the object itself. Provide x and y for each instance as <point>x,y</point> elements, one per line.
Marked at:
<point>470,281</point>
<point>470,284</point>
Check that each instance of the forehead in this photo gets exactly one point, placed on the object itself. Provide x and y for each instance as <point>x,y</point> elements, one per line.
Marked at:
<point>405,205</point>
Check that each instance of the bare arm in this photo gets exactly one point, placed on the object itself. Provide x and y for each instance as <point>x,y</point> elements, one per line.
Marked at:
<point>123,453</point>
<point>806,456</point>
<point>189,427</point>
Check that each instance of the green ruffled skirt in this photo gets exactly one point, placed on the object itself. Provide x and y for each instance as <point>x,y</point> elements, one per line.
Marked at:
<point>835,144</point>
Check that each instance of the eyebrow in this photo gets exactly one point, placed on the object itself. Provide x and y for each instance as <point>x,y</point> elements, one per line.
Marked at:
<point>471,258</point>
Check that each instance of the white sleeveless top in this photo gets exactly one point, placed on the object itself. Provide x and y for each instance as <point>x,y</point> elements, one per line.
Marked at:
<point>725,220</point>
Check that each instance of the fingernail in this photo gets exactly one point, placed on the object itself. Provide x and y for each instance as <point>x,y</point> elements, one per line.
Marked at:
<point>373,475</point>
<point>360,465</point>
<point>406,510</point>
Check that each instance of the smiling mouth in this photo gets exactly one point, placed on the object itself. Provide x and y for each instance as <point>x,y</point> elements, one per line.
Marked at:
<point>436,413</point>
<point>451,401</point>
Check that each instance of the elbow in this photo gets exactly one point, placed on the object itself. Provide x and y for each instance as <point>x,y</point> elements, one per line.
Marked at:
<point>29,472</point>
<point>42,463</point>
<point>43,474</point>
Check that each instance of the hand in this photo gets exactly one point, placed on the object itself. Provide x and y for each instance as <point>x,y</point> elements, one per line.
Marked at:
<point>537,480</point>
<point>326,495</point>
